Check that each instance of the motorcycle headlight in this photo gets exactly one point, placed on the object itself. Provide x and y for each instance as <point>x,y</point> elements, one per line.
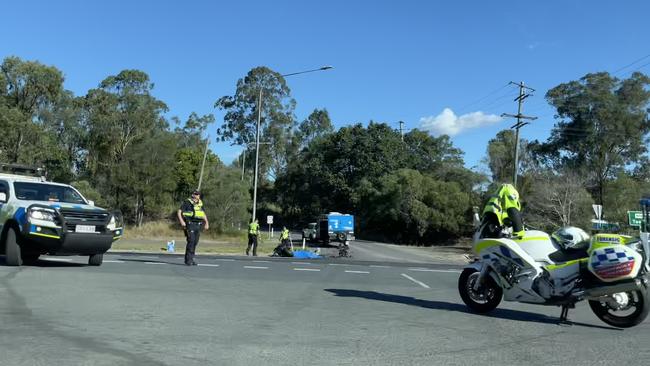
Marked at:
<point>43,217</point>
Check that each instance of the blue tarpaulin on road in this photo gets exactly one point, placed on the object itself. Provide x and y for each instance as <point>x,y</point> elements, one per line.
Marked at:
<point>305,254</point>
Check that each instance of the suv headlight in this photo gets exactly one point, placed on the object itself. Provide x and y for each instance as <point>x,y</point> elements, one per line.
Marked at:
<point>112,225</point>
<point>43,217</point>
<point>116,222</point>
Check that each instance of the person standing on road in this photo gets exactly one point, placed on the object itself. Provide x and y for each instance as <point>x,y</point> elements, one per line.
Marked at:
<point>502,209</point>
<point>253,232</point>
<point>193,220</point>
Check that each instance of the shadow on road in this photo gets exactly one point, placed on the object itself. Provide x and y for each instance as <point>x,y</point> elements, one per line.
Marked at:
<point>45,263</point>
<point>461,308</point>
<point>151,261</point>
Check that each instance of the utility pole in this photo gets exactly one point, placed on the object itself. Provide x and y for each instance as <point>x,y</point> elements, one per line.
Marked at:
<point>520,100</point>
<point>401,129</point>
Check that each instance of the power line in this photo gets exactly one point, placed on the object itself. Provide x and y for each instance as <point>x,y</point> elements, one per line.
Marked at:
<point>635,70</point>
<point>630,64</point>
<point>483,98</point>
<point>493,104</point>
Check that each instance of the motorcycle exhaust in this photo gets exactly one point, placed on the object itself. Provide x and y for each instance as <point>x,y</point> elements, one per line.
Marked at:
<point>601,291</point>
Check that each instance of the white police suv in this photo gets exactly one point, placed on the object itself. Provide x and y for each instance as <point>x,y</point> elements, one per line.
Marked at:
<point>40,217</point>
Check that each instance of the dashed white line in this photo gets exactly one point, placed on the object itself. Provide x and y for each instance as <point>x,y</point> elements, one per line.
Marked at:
<point>208,265</point>
<point>255,267</point>
<point>154,263</point>
<point>112,261</point>
<point>378,266</point>
<point>338,264</point>
<point>307,263</point>
<point>434,270</point>
<point>363,272</point>
<point>224,259</point>
<point>307,269</point>
<point>414,280</point>
<point>146,257</point>
<point>261,261</point>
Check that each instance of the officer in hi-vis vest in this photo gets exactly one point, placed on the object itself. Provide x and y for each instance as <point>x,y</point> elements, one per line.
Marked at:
<point>502,209</point>
<point>253,233</point>
<point>193,219</point>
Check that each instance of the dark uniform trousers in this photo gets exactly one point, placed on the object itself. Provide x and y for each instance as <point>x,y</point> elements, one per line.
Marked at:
<point>192,233</point>
<point>252,243</point>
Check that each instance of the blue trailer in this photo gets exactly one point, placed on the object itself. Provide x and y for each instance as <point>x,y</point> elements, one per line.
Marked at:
<point>335,226</point>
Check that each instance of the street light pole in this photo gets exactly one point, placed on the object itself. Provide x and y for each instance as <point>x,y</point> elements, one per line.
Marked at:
<point>205,155</point>
<point>257,152</point>
<point>257,134</point>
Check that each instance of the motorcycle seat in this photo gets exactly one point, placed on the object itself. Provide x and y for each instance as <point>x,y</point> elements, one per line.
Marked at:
<point>566,255</point>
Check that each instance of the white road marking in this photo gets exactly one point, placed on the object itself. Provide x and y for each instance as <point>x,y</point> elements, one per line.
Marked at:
<point>146,257</point>
<point>364,272</point>
<point>301,263</point>
<point>434,270</point>
<point>261,261</point>
<point>208,265</point>
<point>414,280</point>
<point>112,261</point>
<point>378,266</point>
<point>338,264</point>
<point>154,263</point>
<point>255,267</point>
<point>224,259</point>
<point>307,269</point>
<point>58,259</point>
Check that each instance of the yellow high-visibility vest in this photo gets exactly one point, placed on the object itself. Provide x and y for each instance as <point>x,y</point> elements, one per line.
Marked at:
<point>253,228</point>
<point>197,213</point>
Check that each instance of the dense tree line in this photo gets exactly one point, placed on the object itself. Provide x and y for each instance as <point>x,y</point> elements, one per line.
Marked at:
<point>114,143</point>
<point>117,146</point>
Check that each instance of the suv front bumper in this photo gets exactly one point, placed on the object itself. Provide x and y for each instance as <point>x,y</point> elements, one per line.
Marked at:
<point>56,241</point>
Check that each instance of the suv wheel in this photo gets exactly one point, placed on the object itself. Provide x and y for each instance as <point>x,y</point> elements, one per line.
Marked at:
<point>96,259</point>
<point>13,255</point>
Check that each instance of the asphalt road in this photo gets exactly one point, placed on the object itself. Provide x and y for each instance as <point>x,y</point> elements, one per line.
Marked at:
<point>152,310</point>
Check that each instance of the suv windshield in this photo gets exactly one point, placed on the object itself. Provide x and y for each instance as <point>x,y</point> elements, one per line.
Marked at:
<point>46,192</point>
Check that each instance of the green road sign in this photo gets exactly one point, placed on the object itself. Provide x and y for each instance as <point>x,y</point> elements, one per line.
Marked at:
<point>635,218</point>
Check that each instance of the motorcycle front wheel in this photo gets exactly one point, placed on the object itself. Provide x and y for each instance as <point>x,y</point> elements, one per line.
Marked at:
<point>624,309</point>
<point>483,300</point>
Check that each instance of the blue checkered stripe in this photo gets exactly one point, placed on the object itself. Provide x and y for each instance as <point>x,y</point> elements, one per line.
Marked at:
<point>608,257</point>
<point>506,253</point>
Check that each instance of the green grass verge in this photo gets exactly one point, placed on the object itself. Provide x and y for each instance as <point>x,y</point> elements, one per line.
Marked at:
<point>152,237</point>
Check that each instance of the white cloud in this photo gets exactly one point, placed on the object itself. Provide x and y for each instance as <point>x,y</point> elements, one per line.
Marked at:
<point>447,123</point>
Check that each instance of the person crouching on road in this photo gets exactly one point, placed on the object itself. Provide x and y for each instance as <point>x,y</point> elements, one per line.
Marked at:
<point>253,231</point>
<point>284,249</point>
<point>193,220</point>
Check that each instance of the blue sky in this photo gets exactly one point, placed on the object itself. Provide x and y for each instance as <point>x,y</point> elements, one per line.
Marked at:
<point>394,60</point>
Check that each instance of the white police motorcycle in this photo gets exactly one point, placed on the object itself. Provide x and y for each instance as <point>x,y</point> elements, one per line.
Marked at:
<point>609,271</point>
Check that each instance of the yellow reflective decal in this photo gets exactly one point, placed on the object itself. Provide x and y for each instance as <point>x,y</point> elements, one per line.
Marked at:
<point>531,238</point>
<point>46,235</point>
<point>553,267</point>
<point>482,245</point>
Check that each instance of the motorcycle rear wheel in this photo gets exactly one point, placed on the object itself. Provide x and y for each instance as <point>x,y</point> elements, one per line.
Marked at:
<point>633,313</point>
<point>488,296</point>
